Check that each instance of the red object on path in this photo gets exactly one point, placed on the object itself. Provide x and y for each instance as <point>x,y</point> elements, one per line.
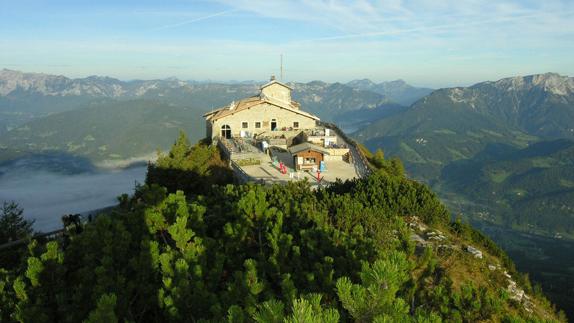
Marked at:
<point>318,176</point>
<point>282,168</point>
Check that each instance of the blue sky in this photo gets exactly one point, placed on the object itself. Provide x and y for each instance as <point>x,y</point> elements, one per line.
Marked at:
<point>425,42</point>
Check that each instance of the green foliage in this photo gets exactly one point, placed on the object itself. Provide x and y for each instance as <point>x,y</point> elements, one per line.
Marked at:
<point>376,298</point>
<point>464,230</point>
<point>9,295</point>
<point>393,167</point>
<point>309,309</point>
<point>378,158</point>
<point>192,169</point>
<point>248,162</point>
<point>104,312</point>
<point>241,253</point>
<point>270,311</point>
<point>13,226</point>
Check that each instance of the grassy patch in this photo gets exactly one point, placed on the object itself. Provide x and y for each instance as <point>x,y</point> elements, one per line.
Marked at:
<point>456,154</point>
<point>474,134</point>
<point>499,176</point>
<point>492,133</point>
<point>248,162</point>
<point>410,154</point>
<point>542,162</point>
<point>444,132</point>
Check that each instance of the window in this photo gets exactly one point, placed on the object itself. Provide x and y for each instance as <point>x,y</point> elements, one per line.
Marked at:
<point>258,125</point>
<point>309,160</point>
<point>244,125</point>
<point>226,131</point>
<point>296,124</point>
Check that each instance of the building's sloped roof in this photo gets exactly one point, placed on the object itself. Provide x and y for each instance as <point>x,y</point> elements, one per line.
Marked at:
<point>251,102</point>
<point>307,146</point>
<point>275,82</point>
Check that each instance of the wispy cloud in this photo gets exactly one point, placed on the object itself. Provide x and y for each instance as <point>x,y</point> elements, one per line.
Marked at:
<point>439,27</point>
<point>363,18</point>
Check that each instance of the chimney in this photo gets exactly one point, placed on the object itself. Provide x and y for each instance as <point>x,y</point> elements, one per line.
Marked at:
<point>272,78</point>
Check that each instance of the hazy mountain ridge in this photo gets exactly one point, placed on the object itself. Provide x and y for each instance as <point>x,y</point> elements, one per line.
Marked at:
<point>42,112</point>
<point>397,91</point>
<point>540,104</point>
<point>537,105</point>
<point>115,131</point>
<point>460,126</point>
<point>329,100</point>
<point>21,92</point>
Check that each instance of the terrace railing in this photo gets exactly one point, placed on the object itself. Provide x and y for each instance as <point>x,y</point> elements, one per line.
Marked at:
<point>367,168</point>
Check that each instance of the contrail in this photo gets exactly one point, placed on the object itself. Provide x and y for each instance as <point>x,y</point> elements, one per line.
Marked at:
<point>187,22</point>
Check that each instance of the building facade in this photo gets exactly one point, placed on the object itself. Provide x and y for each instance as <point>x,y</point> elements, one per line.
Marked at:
<point>271,110</point>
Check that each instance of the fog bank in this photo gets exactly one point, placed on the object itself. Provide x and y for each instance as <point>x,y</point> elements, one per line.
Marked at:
<point>47,195</point>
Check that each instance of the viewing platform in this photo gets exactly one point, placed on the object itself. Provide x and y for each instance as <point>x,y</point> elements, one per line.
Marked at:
<point>267,160</point>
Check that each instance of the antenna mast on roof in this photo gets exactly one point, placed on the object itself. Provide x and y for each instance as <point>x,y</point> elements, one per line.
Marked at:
<point>281,75</point>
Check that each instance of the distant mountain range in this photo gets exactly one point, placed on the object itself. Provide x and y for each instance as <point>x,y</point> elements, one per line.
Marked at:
<point>457,123</point>
<point>396,91</point>
<point>26,96</point>
<point>493,142</point>
<point>39,112</point>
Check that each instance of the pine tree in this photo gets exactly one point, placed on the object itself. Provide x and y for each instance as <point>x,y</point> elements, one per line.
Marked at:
<point>13,226</point>
<point>378,159</point>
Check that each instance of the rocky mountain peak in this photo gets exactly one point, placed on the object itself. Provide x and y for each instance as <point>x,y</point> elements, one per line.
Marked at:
<point>362,83</point>
<point>398,82</point>
<point>549,82</point>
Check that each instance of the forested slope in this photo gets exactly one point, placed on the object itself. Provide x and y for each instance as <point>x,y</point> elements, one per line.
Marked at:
<point>282,253</point>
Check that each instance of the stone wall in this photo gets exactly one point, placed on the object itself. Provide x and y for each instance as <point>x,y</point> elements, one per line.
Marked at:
<point>263,113</point>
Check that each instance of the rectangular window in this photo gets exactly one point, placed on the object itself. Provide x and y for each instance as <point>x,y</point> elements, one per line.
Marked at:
<point>257,125</point>
<point>244,125</point>
<point>295,124</point>
<point>309,160</point>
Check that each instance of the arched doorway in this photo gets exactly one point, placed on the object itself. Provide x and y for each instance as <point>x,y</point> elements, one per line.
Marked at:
<point>226,131</point>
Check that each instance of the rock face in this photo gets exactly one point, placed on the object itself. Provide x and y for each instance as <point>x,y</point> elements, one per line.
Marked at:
<point>549,82</point>
<point>12,82</point>
<point>539,104</point>
<point>475,252</point>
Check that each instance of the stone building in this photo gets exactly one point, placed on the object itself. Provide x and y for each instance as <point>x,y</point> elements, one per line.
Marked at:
<point>271,110</point>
